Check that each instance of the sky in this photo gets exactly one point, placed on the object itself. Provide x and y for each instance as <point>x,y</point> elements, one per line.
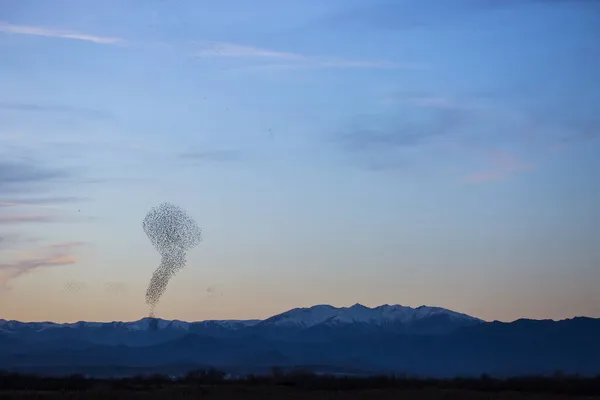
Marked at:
<point>439,153</point>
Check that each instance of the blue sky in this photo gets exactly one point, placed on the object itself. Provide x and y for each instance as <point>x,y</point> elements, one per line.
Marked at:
<point>412,152</point>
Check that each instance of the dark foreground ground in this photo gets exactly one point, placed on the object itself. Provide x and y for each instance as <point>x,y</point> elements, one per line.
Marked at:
<point>212,385</point>
<point>242,393</point>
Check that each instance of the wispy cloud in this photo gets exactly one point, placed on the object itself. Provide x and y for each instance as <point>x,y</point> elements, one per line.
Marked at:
<point>51,203</point>
<point>25,218</point>
<point>438,101</point>
<point>380,143</point>
<point>10,271</point>
<point>19,204</point>
<point>27,265</point>
<point>26,172</point>
<point>494,119</point>
<point>332,64</point>
<point>526,121</point>
<point>24,184</point>
<point>53,108</point>
<point>58,33</point>
<point>577,129</point>
<point>216,49</point>
<point>289,60</point>
<point>44,203</point>
<point>398,133</point>
<point>47,257</point>
<point>11,240</point>
<point>342,63</point>
<point>211,155</point>
<point>67,245</point>
<point>450,126</point>
<point>503,165</point>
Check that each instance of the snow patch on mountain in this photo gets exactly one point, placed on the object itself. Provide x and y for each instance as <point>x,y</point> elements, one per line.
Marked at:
<point>303,317</point>
<point>359,314</point>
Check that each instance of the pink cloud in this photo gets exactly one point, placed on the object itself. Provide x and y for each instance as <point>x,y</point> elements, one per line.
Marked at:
<point>10,271</point>
<point>54,255</point>
<point>503,165</point>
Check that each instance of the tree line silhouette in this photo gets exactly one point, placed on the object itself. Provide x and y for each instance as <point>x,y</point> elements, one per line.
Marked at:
<point>559,383</point>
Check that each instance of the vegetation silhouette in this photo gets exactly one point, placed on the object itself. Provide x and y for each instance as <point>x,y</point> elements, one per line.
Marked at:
<point>203,381</point>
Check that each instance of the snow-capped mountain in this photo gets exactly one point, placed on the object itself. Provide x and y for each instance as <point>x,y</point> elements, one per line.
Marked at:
<point>377,316</point>
<point>427,341</point>
<point>385,318</point>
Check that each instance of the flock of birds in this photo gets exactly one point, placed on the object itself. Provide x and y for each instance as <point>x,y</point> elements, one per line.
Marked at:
<point>172,232</point>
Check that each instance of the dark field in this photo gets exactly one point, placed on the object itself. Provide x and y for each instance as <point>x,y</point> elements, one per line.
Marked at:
<point>211,385</point>
<point>267,392</point>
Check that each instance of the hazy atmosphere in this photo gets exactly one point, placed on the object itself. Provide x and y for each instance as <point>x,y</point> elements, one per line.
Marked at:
<point>332,152</point>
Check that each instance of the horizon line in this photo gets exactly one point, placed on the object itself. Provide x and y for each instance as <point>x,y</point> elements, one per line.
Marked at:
<point>291,309</point>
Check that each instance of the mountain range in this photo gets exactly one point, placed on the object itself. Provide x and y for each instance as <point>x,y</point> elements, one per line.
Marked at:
<point>423,341</point>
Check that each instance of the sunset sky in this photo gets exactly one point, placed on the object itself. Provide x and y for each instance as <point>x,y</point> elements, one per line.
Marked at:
<point>406,152</point>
